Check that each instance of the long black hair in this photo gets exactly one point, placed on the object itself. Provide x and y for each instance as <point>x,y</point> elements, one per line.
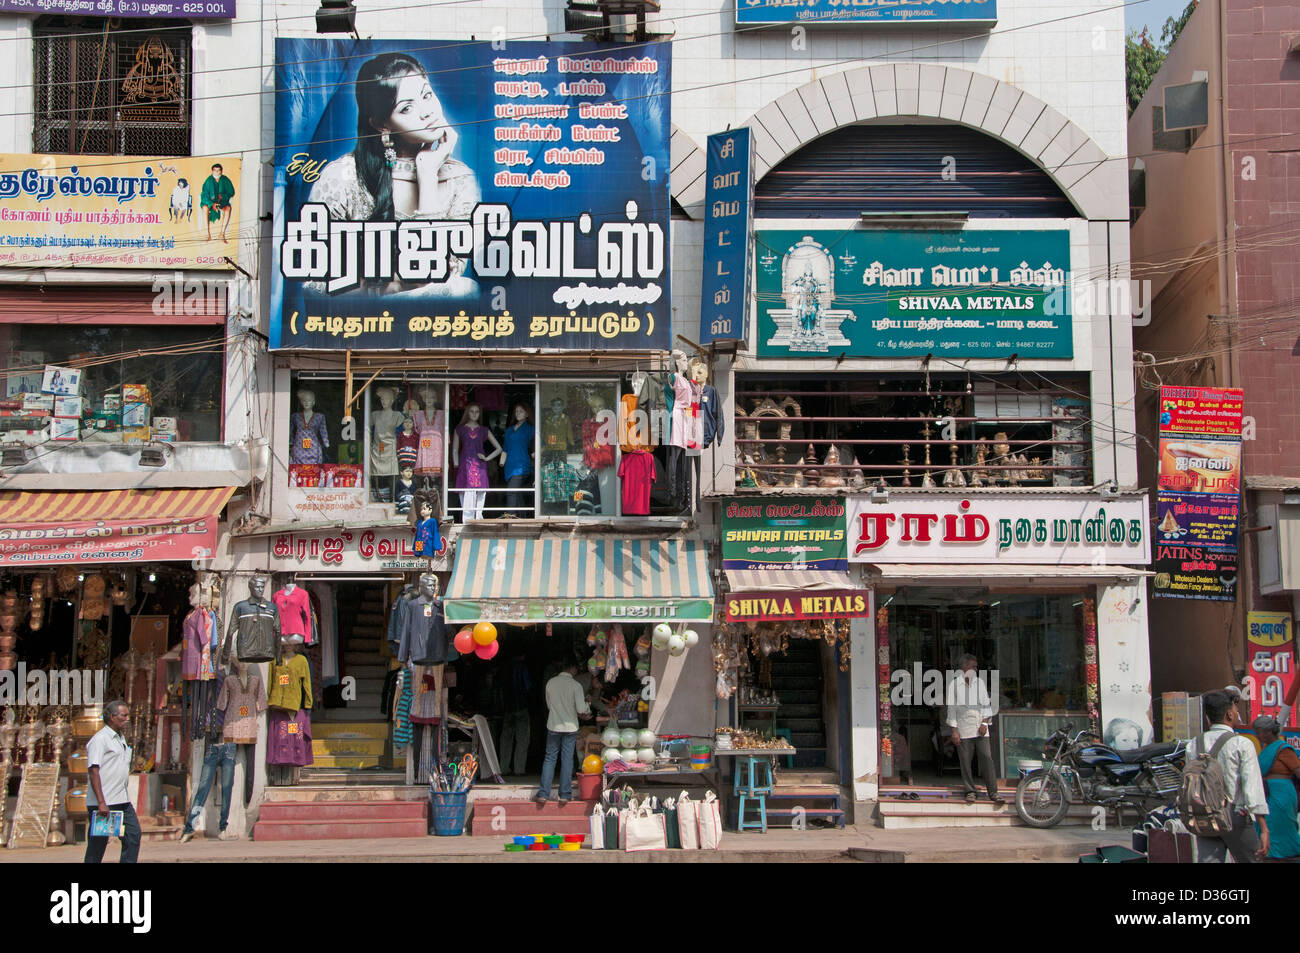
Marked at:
<point>377,83</point>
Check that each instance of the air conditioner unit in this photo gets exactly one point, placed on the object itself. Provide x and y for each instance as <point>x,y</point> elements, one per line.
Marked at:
<point>1279,548</point>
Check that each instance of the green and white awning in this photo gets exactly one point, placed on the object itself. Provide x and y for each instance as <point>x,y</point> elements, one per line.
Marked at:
<point>563,579</point>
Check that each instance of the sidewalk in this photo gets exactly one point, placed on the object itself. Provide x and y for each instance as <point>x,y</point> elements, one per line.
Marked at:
<point>867,843</point>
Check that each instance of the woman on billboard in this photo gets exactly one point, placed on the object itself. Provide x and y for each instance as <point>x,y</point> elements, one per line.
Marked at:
<point>401,167</point>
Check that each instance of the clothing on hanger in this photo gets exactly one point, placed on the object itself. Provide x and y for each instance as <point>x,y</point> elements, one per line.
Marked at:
<point>711,416</point>
<point>637,473</point>
<point>241,699</point>
<point>424,633</point>
<point>294,606</point>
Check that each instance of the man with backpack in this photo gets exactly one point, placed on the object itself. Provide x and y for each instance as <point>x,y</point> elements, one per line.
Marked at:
<point>1222,795</point>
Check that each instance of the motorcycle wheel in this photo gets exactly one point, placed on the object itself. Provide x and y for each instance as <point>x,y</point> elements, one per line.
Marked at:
<point>1041,800</point>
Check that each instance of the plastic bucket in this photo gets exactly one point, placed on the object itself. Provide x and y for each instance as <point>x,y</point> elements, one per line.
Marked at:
<point>448,809</point>
<point>589,786</point>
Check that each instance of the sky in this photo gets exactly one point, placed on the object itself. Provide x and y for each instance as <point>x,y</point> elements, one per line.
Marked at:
<point>1151,14</point>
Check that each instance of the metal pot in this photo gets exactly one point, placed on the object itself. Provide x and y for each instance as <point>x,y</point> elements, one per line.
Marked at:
<point>78,767</point>
<point>75,802</point>
<point>8,661</point>
<point>7,642</point>
<point>86,724</point>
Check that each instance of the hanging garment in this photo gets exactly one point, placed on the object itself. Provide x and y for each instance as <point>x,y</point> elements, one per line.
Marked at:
<point>635,429</point>
<point>240,700</point>
<point>557,431</point>
<point>288,738</point>
<point>402,711</point>
<point>308,438</point>
<point>637,473</point>
<point>490,397</point>
<point>427,705</point>
<point>197,648</point>
<point>428,541</point>
<point>397,619</point>
<point>596,453</point>
<point>559,482</point>
<point>687,430</point>
<point>253,632</point>
<point>290,687</point>
<point>294,606</point>
<point>424,634</point>
<point>714,425</point>
<point>408,449</point>
<point>429,452</point>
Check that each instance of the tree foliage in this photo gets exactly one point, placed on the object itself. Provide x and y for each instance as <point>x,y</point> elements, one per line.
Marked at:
<point>1143,58</point>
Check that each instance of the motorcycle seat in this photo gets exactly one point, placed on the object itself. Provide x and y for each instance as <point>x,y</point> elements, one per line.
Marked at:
<point>1147,752</point>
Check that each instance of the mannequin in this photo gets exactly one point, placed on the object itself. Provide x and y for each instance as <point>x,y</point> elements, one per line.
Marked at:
<point>254,627</point>
<point>682,396</point>
<point>384,423</point>
<point>289,698</point>
<point>467,457</point>
<point>712,422</point>
<point>199,639</point>
<point>405,491</point>
<point>294,606</point>
<point>308,435</point>
<point>517,458</point>
<point>430,422</point>
<point>428,541</point>
<point>408,443</point>
<point>424,635</point>
<point>598,431</point>
<point>557,430</point>
<point>241,698</point>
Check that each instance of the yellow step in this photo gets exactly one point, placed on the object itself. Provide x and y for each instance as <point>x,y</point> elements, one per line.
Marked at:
<point>350,729</point>
<point>368,747</point>
<point>340,761</point>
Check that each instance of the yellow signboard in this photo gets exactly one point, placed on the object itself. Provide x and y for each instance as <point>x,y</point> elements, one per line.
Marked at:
<point>118,211</point>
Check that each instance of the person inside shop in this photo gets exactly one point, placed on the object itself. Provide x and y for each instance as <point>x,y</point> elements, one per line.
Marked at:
<point>565,704</point>
<point>109,759</point>
<point>969,715</point>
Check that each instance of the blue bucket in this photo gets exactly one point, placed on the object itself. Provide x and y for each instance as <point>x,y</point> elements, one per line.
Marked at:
<point>448,809</point>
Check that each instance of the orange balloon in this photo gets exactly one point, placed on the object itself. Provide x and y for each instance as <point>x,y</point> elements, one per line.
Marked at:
<point>485,633</point>
<point>592,764</point>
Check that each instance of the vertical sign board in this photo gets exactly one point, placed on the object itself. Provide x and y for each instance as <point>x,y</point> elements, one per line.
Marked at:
<point>728,217</point>
<point>1199,493</point>
<point>1270,657</point>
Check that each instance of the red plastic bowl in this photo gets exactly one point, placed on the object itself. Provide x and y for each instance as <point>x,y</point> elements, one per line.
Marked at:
<point>538,847</point>
<point>574,838</point>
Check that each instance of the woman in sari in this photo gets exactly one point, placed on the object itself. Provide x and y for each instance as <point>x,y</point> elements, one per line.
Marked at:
<point>1280,768</point>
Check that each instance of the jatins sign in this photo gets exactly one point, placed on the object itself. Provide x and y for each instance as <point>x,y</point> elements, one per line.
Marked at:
<point>442,194</point>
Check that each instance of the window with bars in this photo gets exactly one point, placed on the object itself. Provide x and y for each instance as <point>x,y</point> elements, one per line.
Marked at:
<point>112,87</point>
<point>913,431</point>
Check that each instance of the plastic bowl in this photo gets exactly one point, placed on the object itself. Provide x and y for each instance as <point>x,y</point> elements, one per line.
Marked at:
<point>553,840</point>
<point>538,847</point>
<point>515,847</point>
<point>574,838</point>
<point>570,846</point>
<point>524,840</point>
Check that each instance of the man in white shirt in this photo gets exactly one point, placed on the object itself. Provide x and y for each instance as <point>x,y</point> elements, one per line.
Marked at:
<point>1242,780</point>
<point>565,701</point>
<point>109,759</point>
<point>969,713</point>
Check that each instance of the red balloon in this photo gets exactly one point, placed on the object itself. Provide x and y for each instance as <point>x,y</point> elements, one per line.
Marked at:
<point>464,641</point>
<point>488,651</point>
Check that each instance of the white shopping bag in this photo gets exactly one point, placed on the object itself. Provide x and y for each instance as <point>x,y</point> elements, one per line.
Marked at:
<point>597,828</point>
<point>710,822</point>
<point>646,831</point>
<point>688,822</point>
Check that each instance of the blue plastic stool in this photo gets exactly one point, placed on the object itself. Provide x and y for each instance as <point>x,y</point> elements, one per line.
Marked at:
<point>753,782</point>
<point>761,823</point>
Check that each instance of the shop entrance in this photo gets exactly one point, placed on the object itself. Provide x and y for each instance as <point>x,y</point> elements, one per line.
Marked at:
<point>1029,648</point>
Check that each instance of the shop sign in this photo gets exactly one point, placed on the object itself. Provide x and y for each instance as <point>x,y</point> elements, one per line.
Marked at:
<point>728,219</point>
<point>1039,529</point>
<point>59,211</point>
<point>107,541</point>
<point>354,550</point>
<point>782,605</point>
<point>546,227</point>
<point>911,12</point>
<point>149,9</point>
<point>578,610</point>
<point>1199,493</point>
<point>1270,649</point>
<point>881,293</point>
<point>793,534</point>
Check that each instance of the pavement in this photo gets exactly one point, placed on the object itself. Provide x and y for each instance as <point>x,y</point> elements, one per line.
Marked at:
<point>868,844</point>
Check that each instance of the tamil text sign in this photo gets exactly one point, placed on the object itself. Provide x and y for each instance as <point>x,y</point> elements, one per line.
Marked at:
<point>1270,653</point>
<point>866,11</point>
<point>788,534</point>
<point>728,205</point>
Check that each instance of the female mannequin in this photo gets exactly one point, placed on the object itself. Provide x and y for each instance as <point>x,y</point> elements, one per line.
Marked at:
<point>429,424</point>
<point>517,458</point>
<point>383,439</point>
<point>470,462</point>
<point>308,436</point>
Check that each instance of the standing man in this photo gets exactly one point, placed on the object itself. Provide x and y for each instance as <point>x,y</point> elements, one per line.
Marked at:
<point>1241,781</point>
<point>968,716</point>
<point>565,701</point>
<point>215,197</point>
<point>109,758</point>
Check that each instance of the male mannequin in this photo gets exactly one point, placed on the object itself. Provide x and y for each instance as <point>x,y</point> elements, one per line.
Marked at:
<point>254,628</point>
<point>424,634</point>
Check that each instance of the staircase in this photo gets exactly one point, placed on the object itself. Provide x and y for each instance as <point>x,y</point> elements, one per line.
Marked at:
<point>332,805</point>
<point>801,800</point>
<point>498,817</point>
<point>363,632</point>
<point>344,744</point>
<point>945,806</point>
<point>797,681</point>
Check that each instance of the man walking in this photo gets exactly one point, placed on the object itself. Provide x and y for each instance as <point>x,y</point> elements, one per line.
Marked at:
<point>109,759</point>
<point>1241,781</point>
<point>565,701</point>
<point>968,716</point>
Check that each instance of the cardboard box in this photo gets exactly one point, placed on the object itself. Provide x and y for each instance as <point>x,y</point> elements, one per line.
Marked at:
<point>136,415</point>
<point>164,436</point>
<point>68,406</point>
<point>137,435</point>
<point>42,404</point>
<point>106,422</point>
<point>164,423</point>
<point>113,403</point>
<point>136,394</point>
<point>63,381</point>
<point>65,428</point>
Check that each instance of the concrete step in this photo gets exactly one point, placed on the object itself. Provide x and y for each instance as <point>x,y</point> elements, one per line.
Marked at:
<point>787,712</point>
<point>348,747</point>
<point>351,659</point>
<point>522,816</point>
<point>353,762</point>
<point>342,810</point>
<point>339,830</point>
<point>350,714</point>
<point>369,620</point>
<point>369,687</point>
<point>373,671</point>
<point>791,697</point>
<point>798,683</point>
<point>351,729</point>
<point>368,779</point>
<point>484,825</point>
<point>802,725</point>
<point>383,788</point>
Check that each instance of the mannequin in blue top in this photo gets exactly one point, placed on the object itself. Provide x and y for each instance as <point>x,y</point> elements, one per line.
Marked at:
<point>517,458</point>
<point>428,541</point>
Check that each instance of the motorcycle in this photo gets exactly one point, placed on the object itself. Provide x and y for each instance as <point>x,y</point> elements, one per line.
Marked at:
<point>1083,770</point>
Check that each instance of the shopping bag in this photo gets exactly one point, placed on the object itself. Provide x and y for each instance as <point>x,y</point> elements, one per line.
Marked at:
<point>710,822</point>
<point>669,811</point>
<point>646,831</point>
<point>688,822</point>
<point>597,828</point>
<point>625,815</point>
<point>612,828</point>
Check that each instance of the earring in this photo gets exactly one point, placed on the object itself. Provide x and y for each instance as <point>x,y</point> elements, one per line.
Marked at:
<point>390,154</point>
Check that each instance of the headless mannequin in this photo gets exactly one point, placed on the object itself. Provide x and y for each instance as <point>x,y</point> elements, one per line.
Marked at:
<point>430,426</point>
<point>308,435</point>
<point>422,759</point>
<point>678,475</point>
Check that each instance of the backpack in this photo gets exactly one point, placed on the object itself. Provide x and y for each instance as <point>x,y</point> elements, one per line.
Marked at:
<point>1204,804</point>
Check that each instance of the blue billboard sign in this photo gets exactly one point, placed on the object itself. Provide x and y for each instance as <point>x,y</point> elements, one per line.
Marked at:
<point>867,11</point>
<point>441,194</point>
<point>728,205</point>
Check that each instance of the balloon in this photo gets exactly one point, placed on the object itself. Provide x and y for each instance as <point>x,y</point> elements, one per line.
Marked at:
<point>645,754</point>
<point>610,738</point>
<point>692,638</point>
<point>628,754</point>
<point>609,754</point>
<point>676,645</point>
<point>464,641</point>
<point>488,651</point>
<point>660,634</point>
<point>646,738</point>
<point>627,737</point>
<point>591,764</point>
<point>485,633</point>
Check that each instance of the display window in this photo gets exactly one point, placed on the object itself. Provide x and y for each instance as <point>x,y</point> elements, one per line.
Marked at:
<point>111,383</point>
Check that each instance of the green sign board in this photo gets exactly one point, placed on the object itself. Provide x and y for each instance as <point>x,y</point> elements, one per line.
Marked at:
<point>904,293</point>
<point>784,534</point>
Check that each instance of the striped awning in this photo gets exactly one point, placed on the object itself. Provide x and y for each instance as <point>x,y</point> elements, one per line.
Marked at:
<point>39,529</point>
<point>562,579</point>
<point>790,595</point>
<point>799,580</point>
